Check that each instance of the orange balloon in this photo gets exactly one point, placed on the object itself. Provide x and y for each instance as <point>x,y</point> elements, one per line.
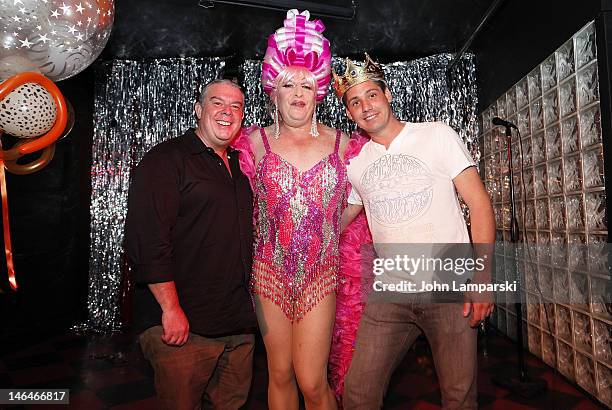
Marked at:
<point>60,121</point>
<point>23,169</point>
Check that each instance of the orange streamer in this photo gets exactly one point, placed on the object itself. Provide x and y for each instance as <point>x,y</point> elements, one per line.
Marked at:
<point>8,249</point>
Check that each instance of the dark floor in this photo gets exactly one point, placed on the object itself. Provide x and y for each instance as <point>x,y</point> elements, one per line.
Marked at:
<point>110,373</point>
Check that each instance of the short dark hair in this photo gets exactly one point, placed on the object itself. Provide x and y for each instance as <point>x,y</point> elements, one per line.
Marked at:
<point>379,83</point>
<point>202,93</point>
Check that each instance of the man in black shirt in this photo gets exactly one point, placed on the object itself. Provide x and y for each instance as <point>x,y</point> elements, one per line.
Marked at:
<point>189,239</point>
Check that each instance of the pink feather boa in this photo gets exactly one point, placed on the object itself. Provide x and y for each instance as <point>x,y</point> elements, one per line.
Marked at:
<point>352,289</point>
<point>247,157</point>
<point>353,285</point>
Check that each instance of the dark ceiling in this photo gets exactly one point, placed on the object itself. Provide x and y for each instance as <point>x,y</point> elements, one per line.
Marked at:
<point>391,29</point>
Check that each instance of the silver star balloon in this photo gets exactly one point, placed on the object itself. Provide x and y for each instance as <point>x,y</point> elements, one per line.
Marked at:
<point>58,38</point>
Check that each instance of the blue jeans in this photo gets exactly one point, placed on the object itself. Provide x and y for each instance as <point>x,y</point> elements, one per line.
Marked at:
<point>203,373</point>
<point>388,330</point>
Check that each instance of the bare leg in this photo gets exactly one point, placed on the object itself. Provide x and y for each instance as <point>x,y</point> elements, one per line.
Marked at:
<point>276,331</point>
<point>311,344</point>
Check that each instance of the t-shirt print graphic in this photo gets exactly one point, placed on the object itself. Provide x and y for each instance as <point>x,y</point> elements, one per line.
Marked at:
<point>398,189</point>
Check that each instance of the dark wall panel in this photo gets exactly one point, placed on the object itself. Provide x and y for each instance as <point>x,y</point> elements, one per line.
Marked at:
<point>520,35</point>
<point>389,29</point>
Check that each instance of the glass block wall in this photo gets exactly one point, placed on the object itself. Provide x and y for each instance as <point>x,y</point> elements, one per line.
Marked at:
<point>568,318</point>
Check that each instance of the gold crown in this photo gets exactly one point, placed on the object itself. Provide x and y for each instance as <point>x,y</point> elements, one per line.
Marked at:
<point>357,74</point>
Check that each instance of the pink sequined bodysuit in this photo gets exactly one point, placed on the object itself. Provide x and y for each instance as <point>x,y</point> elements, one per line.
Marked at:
<point>295,261</point>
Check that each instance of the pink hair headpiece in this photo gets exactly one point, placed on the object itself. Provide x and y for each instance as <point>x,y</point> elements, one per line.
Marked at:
<point>298,43</point>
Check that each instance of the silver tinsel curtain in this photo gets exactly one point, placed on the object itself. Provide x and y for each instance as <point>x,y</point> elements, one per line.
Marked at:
<point>139,104</point>
<point>422,91</point>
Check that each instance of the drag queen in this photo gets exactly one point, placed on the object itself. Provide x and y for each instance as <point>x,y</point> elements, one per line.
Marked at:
<point>299,180</point>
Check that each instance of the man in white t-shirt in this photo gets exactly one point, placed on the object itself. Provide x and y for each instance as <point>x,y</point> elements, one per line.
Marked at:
<point>407,178</point>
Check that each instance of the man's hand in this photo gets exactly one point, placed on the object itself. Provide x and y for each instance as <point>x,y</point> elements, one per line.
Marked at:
<point>174,321</point>
<point>176,327</point>
<point>480,311</point>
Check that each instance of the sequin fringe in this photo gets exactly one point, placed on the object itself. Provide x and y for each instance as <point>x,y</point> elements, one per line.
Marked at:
<point>293,301</point>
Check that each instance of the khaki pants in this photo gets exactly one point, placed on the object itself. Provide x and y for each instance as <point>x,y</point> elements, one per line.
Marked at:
<point>388,330</point>
<point>203,373</point>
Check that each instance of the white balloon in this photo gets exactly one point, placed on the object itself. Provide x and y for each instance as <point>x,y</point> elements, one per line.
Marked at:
<point>28,111</point>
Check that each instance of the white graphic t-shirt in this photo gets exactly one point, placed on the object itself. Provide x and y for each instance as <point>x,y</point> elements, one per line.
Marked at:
<point>407,190</point>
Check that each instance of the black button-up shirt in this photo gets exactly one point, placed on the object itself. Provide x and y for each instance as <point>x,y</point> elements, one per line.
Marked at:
<point>190,221</point>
